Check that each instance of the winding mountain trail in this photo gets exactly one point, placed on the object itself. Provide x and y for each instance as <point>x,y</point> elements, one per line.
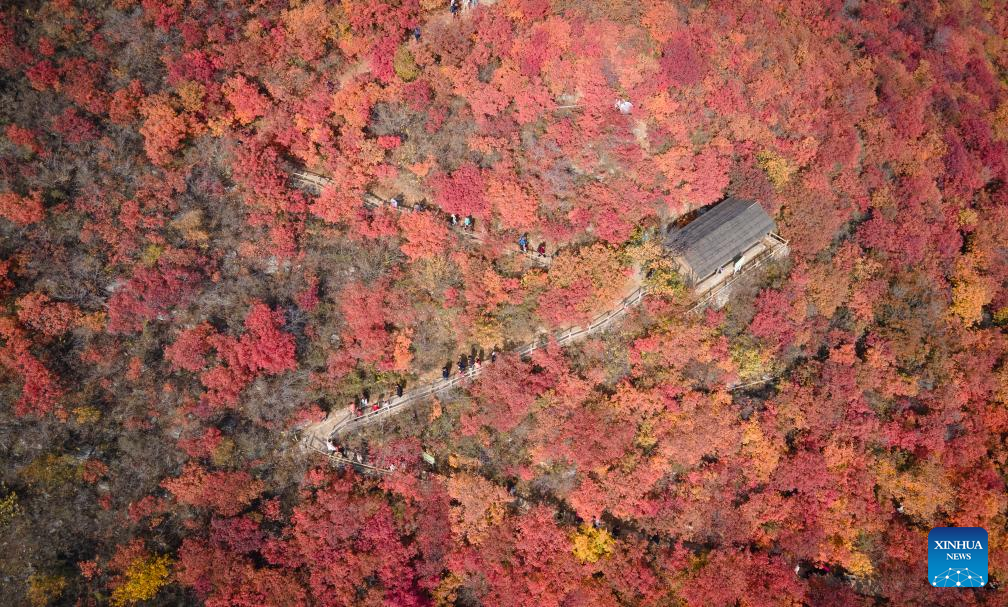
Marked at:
<point>316,436</point>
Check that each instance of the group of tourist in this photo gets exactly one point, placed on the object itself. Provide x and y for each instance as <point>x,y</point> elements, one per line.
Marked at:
<point>363,401</point>
<point>468,365</point>
<point>467,223</point>
<point>352,456</point>
<point>456,5</point>
<point>523,246</point>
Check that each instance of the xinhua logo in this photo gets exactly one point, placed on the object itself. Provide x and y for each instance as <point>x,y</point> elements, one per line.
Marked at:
<point>957,557</point>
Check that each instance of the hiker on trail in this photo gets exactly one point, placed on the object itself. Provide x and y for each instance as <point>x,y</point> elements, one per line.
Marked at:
<point>466,222</point>
<point>477,365</point>
<point>523,243</point>
<point>454,8</point>
<point>472,361</point>
<point>454,219</point>
<point>541,249</point>
<point>493,355</point>
<point>462,364</point>
<point>445,371</point>
<point>399,389</point>
<point>364,401</point>
<point>416,33</point>
<point>394,202</point>
<point>417,208</point>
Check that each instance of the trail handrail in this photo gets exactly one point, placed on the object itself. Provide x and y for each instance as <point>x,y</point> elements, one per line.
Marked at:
<point>599,323</point>
<point>756,262</point>
<point>334,457</point>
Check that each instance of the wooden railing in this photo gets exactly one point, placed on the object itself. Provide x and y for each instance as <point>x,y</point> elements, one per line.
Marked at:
<point>317,444</point>
<point>775,250</point>
<point>350,422</point>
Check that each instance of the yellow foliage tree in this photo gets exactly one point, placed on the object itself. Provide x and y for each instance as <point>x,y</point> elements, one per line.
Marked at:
<point>446,592</point>
<point>487,331</point>
<point>87,414</point>
<point>1001,316</point>
<point>223,454</point>
<point>590,544</point>
<point>859,565</point>
<point>763,454</point>
<point>404,65</point>
<point>190,225</point>
<point>971,290</point>
<point>431,275</point>
<point>44,588</point>
<point>144,577</point>
<point>827,288</point>
<point>661,276</point>
<point>752,361</point>
<point>435,411</point>
<point>51,470</point>
<point>969,296</point>
<point>191,95</point>
<point>999,122</point>
<point>921,492</point>
<point>9,508</point>
<point>645,437</point>
<point>778,169</point>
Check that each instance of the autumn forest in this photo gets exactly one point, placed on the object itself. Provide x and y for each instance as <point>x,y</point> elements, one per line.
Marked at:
<point>233,231</point>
